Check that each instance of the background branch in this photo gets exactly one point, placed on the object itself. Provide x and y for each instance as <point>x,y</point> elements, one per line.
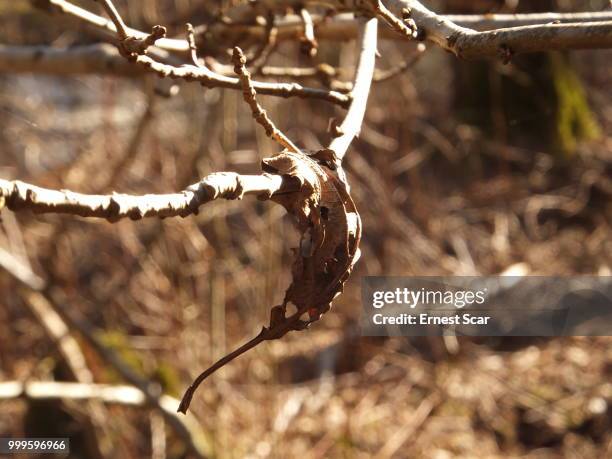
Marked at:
<point>101,58</point>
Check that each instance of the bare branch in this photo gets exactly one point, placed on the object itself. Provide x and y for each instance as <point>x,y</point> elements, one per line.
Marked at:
<point>340,27</point>
<point>101,59</point>
<point>259,113</point>
<point>18,196</point>
<point>265,50</point>
<point>344,26</point>
<point>193,49</point>
<point>404,25</point>
<point>211,79</point>
<point>101,23</point>
<point>104,59</point>
<point>113,14</point>
<point>469,44</point>
<point>363,78</point>
<point>499,21</point>
<point>134,49</point>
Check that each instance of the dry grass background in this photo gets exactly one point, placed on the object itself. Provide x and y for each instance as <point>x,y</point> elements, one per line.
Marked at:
<point>437,194</point>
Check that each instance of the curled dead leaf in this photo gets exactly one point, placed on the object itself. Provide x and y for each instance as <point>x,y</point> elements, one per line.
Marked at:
<point>330,230</point>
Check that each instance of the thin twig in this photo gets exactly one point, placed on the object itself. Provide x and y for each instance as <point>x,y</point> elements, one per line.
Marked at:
<point>193,49</point>
<point>351,125</point>
<point>263,53</point>
<point>134,47</point>
<point>385,75</point>
<point>213,80</point>
<point>405,25</point>
<point>250,97</point>
<point>107,25</point>
<point>309,42</point>
<point>113,14</point>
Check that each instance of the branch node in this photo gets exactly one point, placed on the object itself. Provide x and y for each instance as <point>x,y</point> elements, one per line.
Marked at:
<point>131,47</point>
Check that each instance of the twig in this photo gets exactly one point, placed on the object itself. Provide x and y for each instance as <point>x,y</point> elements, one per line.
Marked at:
<point>104,59</point>
<point>259,113</point>
<point>134,48</point>
<point>385,75</point>
<point>113,14</point>
<point>309,42</point>
<point>129,45</point>
<point>52,322</point>
<point>351,125</point>
<point>213,80</point>
<point>107,25</point>
<point>261,56</point>
<point>404,25</point>
<point>17,195</point>
<point>193,49</point>
<point>340,27</point>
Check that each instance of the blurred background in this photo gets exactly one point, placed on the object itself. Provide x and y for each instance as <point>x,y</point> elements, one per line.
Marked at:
<point>462,168</point>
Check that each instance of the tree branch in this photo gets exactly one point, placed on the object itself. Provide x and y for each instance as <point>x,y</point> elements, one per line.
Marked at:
<point>259,113</point>
<point>498,21</point>
<point>106,25</point>
<point>351,125</point>
<point>135,44</point>
<point>17,195</point>
<point>468,43</point>
<point>344,26</point>
<point>101,58</point>
<point>104,59</point>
